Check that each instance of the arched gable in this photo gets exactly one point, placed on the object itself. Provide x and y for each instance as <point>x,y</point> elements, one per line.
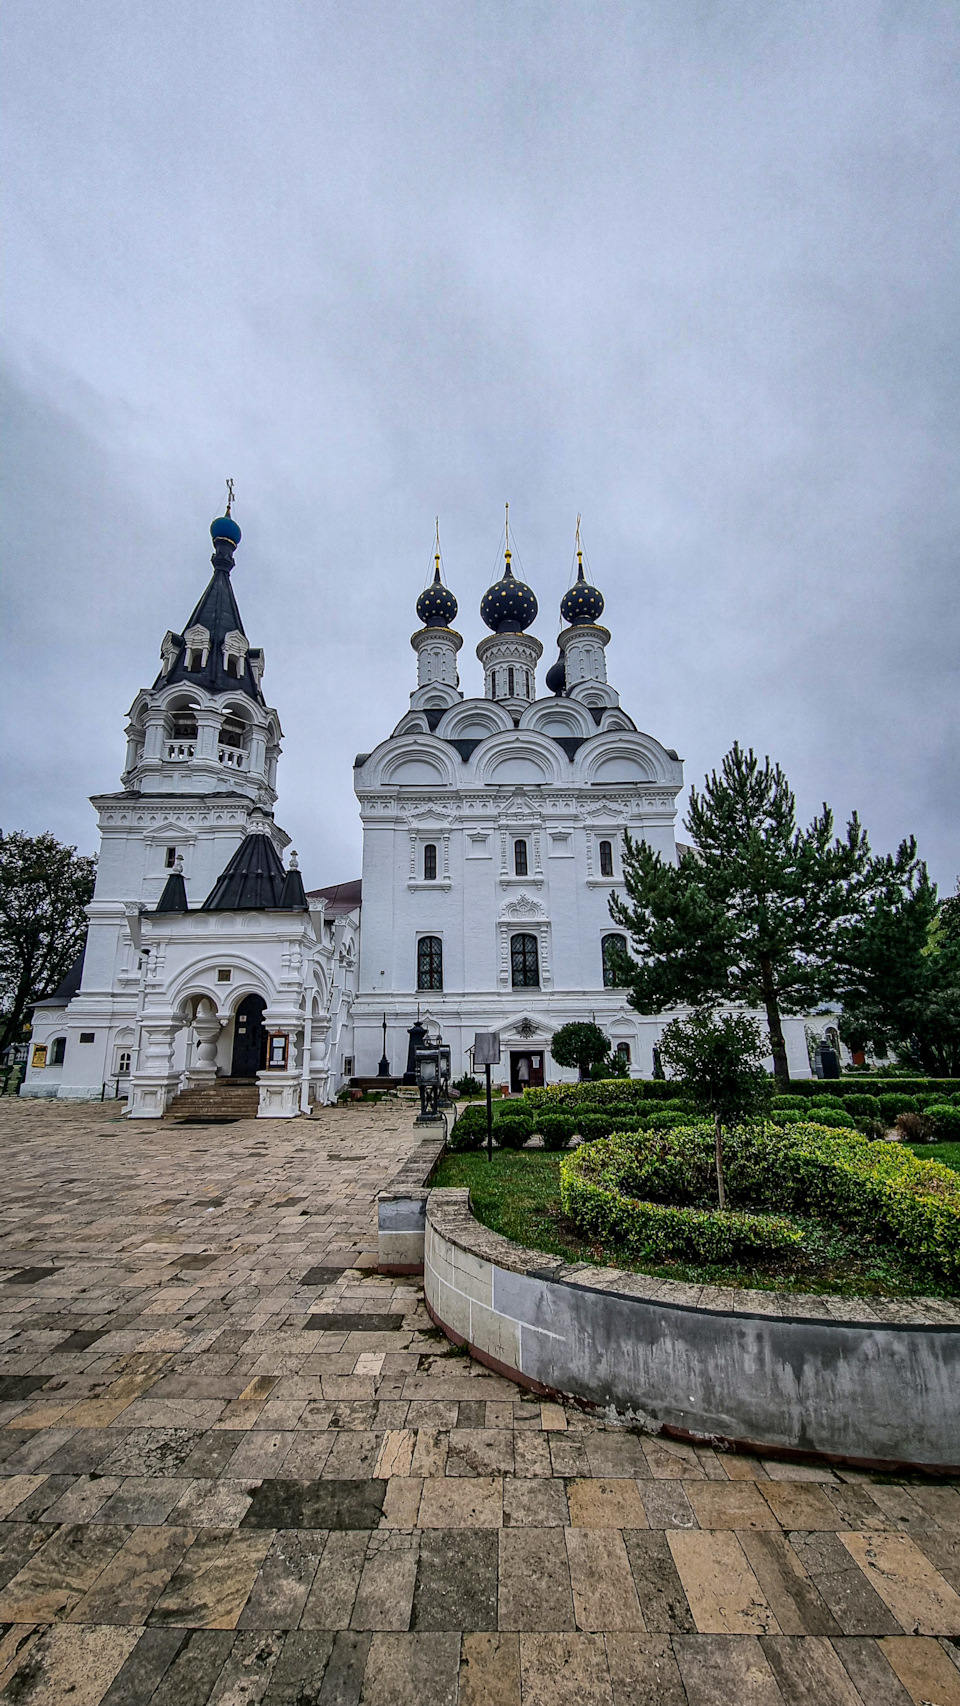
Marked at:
<point>522,756</point>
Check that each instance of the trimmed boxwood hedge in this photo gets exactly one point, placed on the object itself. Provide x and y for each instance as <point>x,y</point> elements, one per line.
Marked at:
<point>649,1193</point>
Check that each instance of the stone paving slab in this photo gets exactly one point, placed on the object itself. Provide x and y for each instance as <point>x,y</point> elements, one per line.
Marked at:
<point>238,1465</point>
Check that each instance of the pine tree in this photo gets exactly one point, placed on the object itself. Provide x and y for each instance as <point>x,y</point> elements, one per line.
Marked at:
<point>901,985</point>
<point>757,914</point>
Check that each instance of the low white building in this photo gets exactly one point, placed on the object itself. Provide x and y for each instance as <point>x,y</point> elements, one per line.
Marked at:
<point>493,829</point>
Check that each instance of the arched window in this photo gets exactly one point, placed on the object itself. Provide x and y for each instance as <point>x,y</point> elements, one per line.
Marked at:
<point>123,1063</point>
<point>232,731</point>
<point>429,963</point>
<point>429,876</point>
<point>520,858</point>
<point>606,859</point>
<point>511,684</point>
<point>524,962</point>
<point>612,948</point>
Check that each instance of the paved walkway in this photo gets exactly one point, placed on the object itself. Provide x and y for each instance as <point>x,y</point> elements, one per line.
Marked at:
<point>236,1466</point>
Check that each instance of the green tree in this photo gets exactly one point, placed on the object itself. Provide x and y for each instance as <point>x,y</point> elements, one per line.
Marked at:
<point>757,913</point>
<point>719,1060</point>
<point>901,984</point>
<point>44,891</point>
<point>581,1045</point>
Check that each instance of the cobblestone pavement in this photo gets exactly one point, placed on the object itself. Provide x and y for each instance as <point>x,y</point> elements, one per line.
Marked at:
<point>236,1466</point>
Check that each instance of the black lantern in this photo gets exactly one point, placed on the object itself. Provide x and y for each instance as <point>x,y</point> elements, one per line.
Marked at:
<point>433,1079</point>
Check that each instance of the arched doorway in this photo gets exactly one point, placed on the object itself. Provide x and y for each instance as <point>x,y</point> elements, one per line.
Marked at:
<point>249,1038</point>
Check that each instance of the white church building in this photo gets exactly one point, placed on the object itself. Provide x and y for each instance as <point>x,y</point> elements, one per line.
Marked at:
<point>492,836</point>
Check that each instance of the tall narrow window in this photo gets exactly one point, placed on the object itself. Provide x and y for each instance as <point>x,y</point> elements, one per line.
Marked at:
<point>429,875</point>
<point>58,1051</point>
<point>429,963</point>
<point>524,962</point>
<point>511,683</point>
<point>520,858</point>
<point>170,858</point>
<point>606,859</point>
<point>613,948</point>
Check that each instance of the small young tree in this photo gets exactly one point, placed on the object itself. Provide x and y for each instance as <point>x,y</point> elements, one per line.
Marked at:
<point>581,1045</point>
<point>44,890</point>
<point>758,912</point>
<point>719,1060</point>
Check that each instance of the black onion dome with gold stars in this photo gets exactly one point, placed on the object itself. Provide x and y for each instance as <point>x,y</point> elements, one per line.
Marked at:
<point>583,604</point>
<point>436,606</point>
<point>508,606</point>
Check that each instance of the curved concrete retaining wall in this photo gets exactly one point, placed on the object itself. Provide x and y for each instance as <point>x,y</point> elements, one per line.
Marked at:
<point>871,1382</point>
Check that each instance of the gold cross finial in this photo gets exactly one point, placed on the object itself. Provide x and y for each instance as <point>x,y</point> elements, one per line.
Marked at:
<point>436,552</point>
<point>506,529</point>
<point>579,546</point>
<point>229,496</point>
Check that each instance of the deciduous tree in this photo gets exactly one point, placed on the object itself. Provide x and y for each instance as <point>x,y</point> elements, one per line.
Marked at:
<point>44,890</point>
<point>719,1061</point>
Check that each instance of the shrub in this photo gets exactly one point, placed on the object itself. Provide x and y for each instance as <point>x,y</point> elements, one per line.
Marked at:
<point>467,1086</point>
<point>556,1130</point>
<point>946,1120</point>
<point>667,1118</point>
<point>862,1105</point>
<point>892,1105</point>
<point>474,1119</point>
<point>881,1190</point>
<point>467,1134</point>
<point>513,1129</point>
<point>591,1126</point>
<point>914,1128</point>
<point>833,1117</point>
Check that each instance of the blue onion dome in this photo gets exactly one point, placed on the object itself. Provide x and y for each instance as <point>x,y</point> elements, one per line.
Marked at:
<point>583,604</point>
<point>225,528</point>
<point>555,679</point>
<point>436,606</point>
<point>508,606</point>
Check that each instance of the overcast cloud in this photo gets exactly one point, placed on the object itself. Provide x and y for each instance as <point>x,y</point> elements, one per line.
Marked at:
<point>689,268</point>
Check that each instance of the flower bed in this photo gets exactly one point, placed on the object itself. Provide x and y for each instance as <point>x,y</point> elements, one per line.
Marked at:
<point>650,1193</point>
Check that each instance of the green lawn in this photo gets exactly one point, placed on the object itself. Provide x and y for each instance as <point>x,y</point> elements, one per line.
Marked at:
<point>948,1153</point>
<point>518,1195</point>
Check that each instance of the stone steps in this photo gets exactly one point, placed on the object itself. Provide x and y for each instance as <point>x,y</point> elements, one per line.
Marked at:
<point>219,1101</point>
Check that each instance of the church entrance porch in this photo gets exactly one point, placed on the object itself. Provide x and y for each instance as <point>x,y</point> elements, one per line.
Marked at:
<point>249,1038</point>
<point>526,1070</point>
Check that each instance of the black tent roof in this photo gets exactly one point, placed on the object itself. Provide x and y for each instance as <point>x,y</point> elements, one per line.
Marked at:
<point>254,880</point>
<point>174,896</point>
<point>217,611</point>
<point>69,985</point>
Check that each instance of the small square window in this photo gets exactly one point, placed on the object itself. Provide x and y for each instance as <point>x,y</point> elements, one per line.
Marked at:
<point>224,974</point>
<point>88,1036</point>
<point>171,858</point>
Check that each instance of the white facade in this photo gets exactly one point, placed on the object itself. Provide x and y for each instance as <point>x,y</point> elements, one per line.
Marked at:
<point>493,832</point>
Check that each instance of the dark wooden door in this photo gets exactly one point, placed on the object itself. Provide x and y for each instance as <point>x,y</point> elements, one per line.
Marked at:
<point>249,1038</point>
<point>526,1070</point>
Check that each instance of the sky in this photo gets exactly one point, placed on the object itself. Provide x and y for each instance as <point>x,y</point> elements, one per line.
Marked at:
<point>687,268</point>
